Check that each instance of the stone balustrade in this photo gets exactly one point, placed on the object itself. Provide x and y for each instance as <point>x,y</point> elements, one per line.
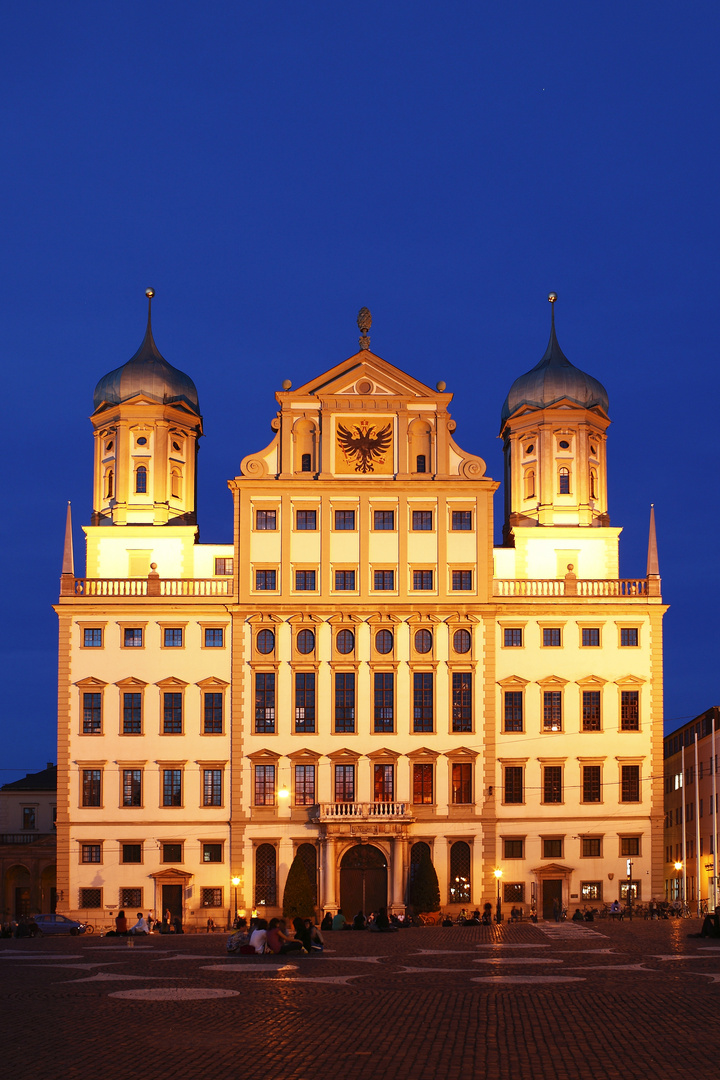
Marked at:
<point>361,811</point>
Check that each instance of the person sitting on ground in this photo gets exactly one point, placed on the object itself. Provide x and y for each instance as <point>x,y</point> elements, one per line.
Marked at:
<point>615,910</point>
<point>359,921</point>
<point>258,937</point>
<point>210,929</point>
<point>577,915</point>
<point>317,942</point>
<point>447,921</point>
<point>487,914</point>
<point>710,926</point>
<point>383,924</point>
<point>326,923</point>
<point>277,940</point>
<point>338,922</point>
<point>121,926</point>
<point>141,926</point>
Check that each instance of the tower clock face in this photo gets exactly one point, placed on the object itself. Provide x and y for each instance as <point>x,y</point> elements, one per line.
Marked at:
<point>364,447</point>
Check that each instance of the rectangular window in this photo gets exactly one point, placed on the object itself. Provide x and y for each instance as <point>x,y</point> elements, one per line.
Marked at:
<point>132,787</point>
<point>344,520</point>
<point>462,520</point>
<point>29,818</point>
<point>172,637</point>
<point>133,637</point>
<point>591,847</point>
<point>90,898</point>
<point>630,845</point>
<point>591,637</point>
<point>629,710</point>
<point>91,853</point>
<point>384,579</point>
<point>461,782</point>
<point>383,783</point>
<point>514,892</point>
<point>172,853</point>
<point>513,792</point>
<point>131,899</point>
<point>344,701</point>
<point>264,785</point>
<point>131,853</point>
<point>461,580</point>
<point>422,579</point>
<point>384,520</point>
<point>214,637</point>
<point>265,702</point>
<point>304,702</point>
<point>212,787</point>
<point>590,890</point>
<point>512,637</point>
<point>422,520</point>
<point>211,898</point>
<point>212,853</point>
<point>92,637</point>
<point>384,701</point>
<point>266,520</point>
<point>551,637</point>
<point>423,785</point>
<point>306,520</point>
<point>344,783</point>
<point>132,714</point>
<point>630,783</point>
<point>552,710</point>
<point>513,849</point>
<point>513,710</point>
<point>92,714</point>
<point>552,784</point>
<point>304,785</point>
<point>305,580</point>
<point>344,580</point>
<point>172,713</point>
<point>265,580</point>
<point>591,710</point>
<point>591,783</point>
<point>423,701</point>
<point>91,787</point>
<point>628,636</point>
<point>212,713</point>
<point>462,701</point>
<point>172,787</point>
<point>224,567</point>
<point>625,890</point>
<point>552,847</point>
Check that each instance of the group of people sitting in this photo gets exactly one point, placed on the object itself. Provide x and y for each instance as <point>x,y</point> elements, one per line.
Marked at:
<point>146,925</point>
<point>272,937</point>
<point>378,922</point>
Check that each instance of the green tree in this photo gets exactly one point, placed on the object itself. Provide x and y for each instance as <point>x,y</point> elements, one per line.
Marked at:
<point>298,895</point>
<point>423,890</point>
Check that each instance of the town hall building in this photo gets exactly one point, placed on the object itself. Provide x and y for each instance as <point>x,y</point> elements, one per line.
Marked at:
<point>360,676</point>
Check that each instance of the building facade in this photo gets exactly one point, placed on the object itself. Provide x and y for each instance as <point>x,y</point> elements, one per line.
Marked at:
<point>28,810</point>
<point>361,675</point>
<point>691,811</point>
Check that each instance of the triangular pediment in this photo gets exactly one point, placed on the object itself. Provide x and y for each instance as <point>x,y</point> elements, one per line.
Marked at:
<point>365,375</point>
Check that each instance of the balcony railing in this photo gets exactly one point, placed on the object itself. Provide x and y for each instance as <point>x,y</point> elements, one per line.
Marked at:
<point>627,588</point>
<point>23,837</point>
<point>361,811</point>
<point>148,587</point>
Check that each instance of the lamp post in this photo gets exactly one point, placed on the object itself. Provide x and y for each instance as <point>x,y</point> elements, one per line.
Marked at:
<point>498,911</point>
<point>678,886</point>
<point>236,882</point>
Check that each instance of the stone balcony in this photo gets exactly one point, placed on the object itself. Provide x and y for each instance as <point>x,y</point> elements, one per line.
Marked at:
<point>592,588</point>
<point>153,585</point>
<point>351,811</point>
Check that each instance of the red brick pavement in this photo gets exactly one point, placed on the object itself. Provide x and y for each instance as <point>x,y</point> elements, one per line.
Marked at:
<point>629,1015</point>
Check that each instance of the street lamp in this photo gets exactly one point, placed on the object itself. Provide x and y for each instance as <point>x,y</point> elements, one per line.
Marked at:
<point>236,882</point>
<point>678,886</point>
<point>498,912</point>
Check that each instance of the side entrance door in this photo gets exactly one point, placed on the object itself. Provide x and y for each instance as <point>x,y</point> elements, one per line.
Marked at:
<point>172,900</point>
<point>551,891</point>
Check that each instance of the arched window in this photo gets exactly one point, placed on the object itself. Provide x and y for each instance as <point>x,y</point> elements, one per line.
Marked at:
<point>176,484</point>
<point>530,484</point>
<point>564,481</point>
<point>265,642</point>
<point>306,463</point>
<point>307,853</point>
<point>305,642</point>
<point>420,462</point>
<point>265,876</point>
<point>384,641</point>
<point>423,641</point>
<point>593,484</point>
<point>462,641</point>
<point>141,479</point>
<point>109,477</point>
<point>460,873</point>
<point>416,853</point>
<point>345,642</point>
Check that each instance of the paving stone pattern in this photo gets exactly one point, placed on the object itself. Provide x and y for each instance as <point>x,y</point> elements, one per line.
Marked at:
<point>610,1001</point>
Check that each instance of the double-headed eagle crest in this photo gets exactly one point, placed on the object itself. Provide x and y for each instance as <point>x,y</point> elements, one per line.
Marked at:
<point>364,446</point>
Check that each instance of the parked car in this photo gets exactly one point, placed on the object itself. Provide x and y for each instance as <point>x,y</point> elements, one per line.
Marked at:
<point>58,924</point>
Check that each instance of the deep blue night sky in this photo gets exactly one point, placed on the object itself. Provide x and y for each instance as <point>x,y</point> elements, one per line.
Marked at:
<point>271,168</point>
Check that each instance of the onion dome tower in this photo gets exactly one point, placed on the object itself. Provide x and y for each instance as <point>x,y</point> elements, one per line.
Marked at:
<point>553,426</point>
<point>147,423</point>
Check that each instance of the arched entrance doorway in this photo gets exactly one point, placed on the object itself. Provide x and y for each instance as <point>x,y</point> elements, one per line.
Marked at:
<point>363,880</point>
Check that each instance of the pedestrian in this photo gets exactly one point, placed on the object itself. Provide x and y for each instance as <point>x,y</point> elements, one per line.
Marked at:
<point>556,910</point>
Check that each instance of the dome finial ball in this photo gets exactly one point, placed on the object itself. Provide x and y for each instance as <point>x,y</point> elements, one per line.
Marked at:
<point>149,293</point>
<point>552,297</point>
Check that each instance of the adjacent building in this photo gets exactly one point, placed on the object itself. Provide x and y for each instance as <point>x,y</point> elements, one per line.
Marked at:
<point>361,674</point>
<point>27,845</point>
